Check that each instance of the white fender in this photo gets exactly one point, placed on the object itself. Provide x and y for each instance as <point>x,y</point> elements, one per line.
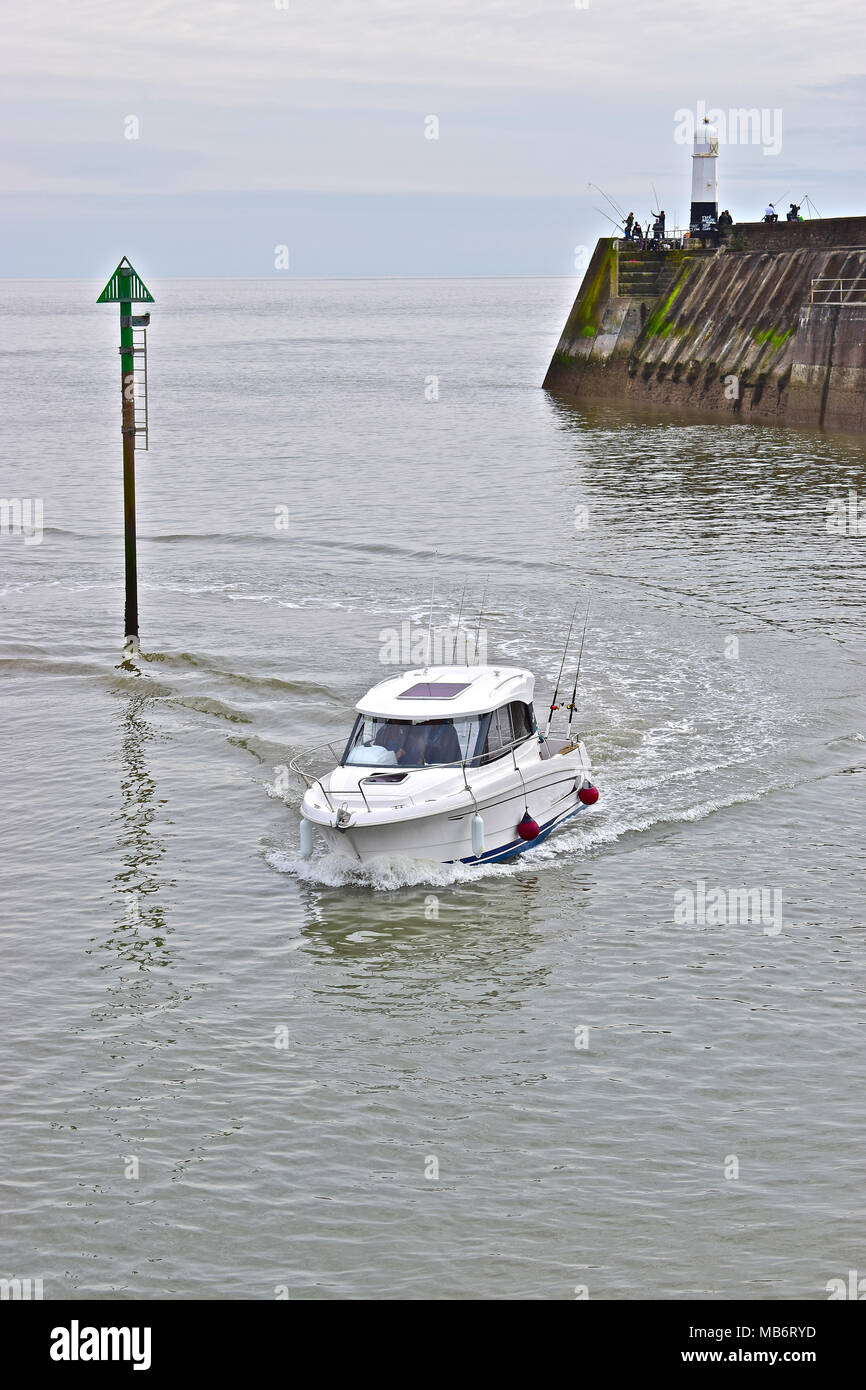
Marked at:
<point>477,835</point>
<point>306,839</point>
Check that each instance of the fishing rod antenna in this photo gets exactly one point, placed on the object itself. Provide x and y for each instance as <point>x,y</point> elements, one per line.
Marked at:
<point>577,672</point>
<point>616,207</point>
<point>430,624</point>
<point>478,624</point>
<point>602,213</point>
<point>457,633</point>
<point>553,704</point>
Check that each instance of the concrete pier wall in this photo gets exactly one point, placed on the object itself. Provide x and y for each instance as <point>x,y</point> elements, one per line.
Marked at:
<point>731,332</point>
<point>825,233</point>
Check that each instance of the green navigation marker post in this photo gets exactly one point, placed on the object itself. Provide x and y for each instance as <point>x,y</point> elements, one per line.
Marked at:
<point>126,288</point>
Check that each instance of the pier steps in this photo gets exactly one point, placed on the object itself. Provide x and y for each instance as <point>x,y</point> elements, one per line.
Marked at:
<point>644,276</point>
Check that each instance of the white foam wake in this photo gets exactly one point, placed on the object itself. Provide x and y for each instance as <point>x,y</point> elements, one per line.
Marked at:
<point>588,833</point>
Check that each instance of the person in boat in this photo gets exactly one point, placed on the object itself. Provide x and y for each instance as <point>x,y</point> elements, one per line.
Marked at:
<point>443,745</point>
<point>770,213</point>
<point>392,737</point>
<point>793,213</point>
<point>629,223</point>
<point>414,750</point>
<point>725,219</point>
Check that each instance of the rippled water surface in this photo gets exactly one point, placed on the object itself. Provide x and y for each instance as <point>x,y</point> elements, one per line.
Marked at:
<point>229,1071</point>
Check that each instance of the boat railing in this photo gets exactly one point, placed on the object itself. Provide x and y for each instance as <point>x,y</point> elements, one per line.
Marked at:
<point>313,764</point>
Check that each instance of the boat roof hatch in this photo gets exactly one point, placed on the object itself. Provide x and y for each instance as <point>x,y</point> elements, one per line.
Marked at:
<point>447,692</point>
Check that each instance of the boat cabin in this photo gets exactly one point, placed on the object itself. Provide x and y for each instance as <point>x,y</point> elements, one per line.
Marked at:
<point>443,716</point>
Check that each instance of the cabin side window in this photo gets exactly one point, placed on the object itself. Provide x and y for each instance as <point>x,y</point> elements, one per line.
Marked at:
<point>498,738</point>
<point>522,720</point>
<point>506,728</point>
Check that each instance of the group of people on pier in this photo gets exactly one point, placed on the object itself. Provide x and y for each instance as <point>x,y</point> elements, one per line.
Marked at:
<point>655,234</point>
<point>792,215</point>
<point>634,231</point>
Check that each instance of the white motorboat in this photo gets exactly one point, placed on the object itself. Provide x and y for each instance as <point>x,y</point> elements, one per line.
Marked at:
<point>444,764</point>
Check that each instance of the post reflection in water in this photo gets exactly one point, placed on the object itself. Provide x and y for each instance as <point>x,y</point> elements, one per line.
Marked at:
<point>138,937</point>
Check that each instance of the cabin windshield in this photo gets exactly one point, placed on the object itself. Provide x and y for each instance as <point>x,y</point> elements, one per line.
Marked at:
<point>377,742</point>
<point>476,739</point>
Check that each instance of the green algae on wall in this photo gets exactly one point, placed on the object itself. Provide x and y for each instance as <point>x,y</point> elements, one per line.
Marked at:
<point>587,312</point>
<point>775,336</point>
<point>655,324</point>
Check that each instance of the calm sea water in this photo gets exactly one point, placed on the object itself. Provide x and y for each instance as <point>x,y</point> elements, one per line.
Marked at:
<point>230,1073</point>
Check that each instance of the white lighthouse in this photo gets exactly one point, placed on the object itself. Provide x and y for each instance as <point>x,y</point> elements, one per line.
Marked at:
<point>703,220</point>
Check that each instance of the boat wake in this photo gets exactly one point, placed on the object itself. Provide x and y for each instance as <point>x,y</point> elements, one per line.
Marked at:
<point>383,874</point>
<point>589,834</point>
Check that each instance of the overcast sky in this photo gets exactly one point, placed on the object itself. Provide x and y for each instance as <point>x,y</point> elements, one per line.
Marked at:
<point>261,124</point>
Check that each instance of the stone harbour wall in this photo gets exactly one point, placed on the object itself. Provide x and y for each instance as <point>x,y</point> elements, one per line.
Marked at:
<point>732,332</point>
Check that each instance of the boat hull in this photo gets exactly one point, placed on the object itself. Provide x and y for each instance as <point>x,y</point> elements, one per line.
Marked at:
<point>445,837</point>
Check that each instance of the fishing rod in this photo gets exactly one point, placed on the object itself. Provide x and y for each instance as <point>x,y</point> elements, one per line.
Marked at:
<point>553,704</point>
<point>805,199</point>
<point>617,209</point>
<point>478,625</point>
<point>577,672</point>
<point>605,196</point>
<point>610,219</point>
<point>459,616</point>
<point>430,624</point>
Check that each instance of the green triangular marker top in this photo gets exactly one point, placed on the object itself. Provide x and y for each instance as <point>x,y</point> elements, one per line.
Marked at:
<point>125,286</point>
